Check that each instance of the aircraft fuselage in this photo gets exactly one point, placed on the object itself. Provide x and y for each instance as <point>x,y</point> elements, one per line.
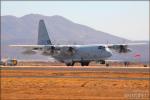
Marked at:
<point>81,53</point>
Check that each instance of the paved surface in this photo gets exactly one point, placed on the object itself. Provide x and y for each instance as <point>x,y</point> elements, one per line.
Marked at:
<point>84,69</point>
<point>104,78</point>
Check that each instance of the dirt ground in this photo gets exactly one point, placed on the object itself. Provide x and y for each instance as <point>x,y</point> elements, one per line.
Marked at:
<point>70,73</point>
<point>72,88</point>
<point>46,88</point>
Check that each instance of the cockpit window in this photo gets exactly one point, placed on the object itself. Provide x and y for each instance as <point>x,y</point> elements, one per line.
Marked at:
<point>101,47</point>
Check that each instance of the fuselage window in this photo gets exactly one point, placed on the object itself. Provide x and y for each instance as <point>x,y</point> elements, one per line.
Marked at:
<point>101,47</point>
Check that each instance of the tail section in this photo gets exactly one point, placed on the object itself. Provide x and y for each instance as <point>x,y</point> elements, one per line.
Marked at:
<point>43,38</point>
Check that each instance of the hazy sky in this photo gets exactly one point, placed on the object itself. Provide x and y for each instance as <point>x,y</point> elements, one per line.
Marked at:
<point>128,19</point>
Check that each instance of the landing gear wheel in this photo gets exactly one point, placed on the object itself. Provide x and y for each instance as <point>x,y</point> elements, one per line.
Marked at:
<point>70,64</point>
<point>84,63</point>
<point>107,65</point>
<point>102,61</point>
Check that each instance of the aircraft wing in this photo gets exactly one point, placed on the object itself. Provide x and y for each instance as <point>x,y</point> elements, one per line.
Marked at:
<point>108,45</point>
<point>122,48</point>
<point>28,46</point>
<point>126,44</point>
<point>47,49</point>
<point>28,49</point>
<point>40,46</point>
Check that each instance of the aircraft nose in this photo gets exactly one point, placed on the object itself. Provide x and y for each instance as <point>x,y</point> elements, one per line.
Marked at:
<point>109,53</point>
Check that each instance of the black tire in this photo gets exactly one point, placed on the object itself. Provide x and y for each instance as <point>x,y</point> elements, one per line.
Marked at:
<point>84,63</point>
<point>102,61</point>
<point>87,63</point>
<point>67,64</point>
<point>107,65</point>
<point>70,64</point>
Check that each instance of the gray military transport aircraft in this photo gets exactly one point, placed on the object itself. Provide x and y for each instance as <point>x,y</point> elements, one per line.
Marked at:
<point>70,54</point>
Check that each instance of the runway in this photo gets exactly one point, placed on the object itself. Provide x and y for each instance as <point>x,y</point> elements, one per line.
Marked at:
<point>88,69</point>
<point>84,69</point>
<point>84,77</point>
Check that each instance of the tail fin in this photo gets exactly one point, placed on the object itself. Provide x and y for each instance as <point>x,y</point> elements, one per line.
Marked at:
<point>43,38</point>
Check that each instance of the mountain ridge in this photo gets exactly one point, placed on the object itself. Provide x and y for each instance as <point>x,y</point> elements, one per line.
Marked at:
<point>56,25</point>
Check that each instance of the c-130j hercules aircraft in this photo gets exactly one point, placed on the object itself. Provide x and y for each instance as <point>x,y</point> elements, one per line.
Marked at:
<point>70,54</point>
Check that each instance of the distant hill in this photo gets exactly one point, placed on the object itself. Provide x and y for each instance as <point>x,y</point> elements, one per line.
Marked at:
<point>61,30</point>
<point>23,30</point>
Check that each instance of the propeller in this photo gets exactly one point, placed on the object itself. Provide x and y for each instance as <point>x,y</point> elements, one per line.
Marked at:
<point>70,49</point>
<point>48,50</point>
<point>52,49</point>
<point>29,52</point>
<point>120,48</point>
<point>124,49</point>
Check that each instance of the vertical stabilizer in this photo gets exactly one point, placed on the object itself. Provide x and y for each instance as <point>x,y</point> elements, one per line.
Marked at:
<point>43,38</point>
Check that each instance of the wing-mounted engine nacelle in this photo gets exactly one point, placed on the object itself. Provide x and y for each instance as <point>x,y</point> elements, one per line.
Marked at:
<point>71,50</point>
<point>50,50</point>
<point>120,48</point>
<point>29,52</point>
<point>68,50</point>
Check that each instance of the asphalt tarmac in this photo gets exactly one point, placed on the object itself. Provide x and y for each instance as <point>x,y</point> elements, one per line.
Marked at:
<point>103,78</point>
<point>82,69</point>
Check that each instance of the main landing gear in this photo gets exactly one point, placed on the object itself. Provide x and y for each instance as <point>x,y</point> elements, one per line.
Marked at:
<point>70,64</point>
<point>83,63</point>
<point>102,62</point>
<point>86,63</point>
